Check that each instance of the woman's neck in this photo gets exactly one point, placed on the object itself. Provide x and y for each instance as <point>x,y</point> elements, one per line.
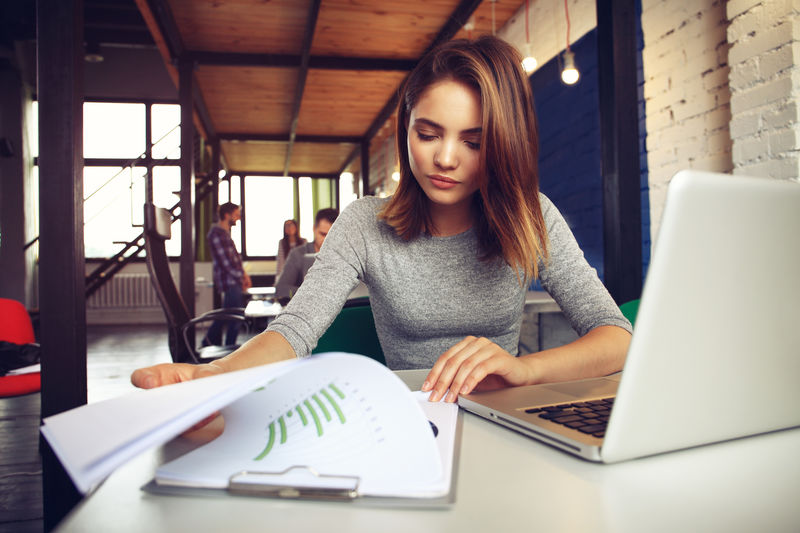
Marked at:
<point>450,219</point>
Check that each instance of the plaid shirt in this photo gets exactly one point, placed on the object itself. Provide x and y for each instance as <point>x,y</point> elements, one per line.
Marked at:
<point>228,270</point>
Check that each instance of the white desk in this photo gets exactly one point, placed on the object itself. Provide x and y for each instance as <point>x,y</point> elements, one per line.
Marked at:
<point>505,482</point>
<point>260,293</point>
<point>262,309</point>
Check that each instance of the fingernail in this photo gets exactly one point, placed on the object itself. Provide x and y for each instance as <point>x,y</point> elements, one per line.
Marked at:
<point>464,389</point>
<point>149,382</point>
<point>426,386</point>
<point>434,397</point>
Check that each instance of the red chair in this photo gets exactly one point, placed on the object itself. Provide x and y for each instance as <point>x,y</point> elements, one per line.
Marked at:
<point>16,327</point>
<point>15,324</point>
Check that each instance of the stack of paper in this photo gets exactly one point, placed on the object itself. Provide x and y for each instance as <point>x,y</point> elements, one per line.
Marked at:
<point>332,419</point>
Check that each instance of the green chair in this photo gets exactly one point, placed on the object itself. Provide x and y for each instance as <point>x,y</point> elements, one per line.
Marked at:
<point>353,331</point>
<point>630,310</point>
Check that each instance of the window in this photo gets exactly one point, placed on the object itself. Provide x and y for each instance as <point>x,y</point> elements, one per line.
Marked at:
<point>224,195</point>
<point>235,192</point>
<point>114,193</point>
<point>166,182</point>
<point>347,189</point>
<point>269,201</point>
<point>113,202</point>
<point>306,209</point>
<point>113,130</point>
<point>166,131</point>
<point>116,165</point>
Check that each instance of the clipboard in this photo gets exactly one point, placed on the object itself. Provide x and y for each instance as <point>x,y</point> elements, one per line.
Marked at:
<point>345,489</point>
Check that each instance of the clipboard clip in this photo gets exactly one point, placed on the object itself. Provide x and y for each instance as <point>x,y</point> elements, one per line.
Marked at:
<point>296,482</point>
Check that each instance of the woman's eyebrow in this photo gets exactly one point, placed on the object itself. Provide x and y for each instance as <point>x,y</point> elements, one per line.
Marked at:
<point>428,122</point>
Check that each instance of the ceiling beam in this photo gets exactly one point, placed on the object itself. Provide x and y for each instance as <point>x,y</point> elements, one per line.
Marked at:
<point>361,63</point>
<point>455,22</point>
<point>167,27</point>
<point>311,24</point>
<point>279,174</point>
<point>162,15</point>
<point>284,137</point>
<point>202,111</point>
<point>238,59</point>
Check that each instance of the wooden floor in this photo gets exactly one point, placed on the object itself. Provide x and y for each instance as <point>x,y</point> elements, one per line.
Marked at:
<point>113,352</point>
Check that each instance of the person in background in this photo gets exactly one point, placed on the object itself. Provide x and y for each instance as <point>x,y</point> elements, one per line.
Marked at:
<point>291,239</point>
<point>302,257</point>
<point>449,257</point>
<point>229,274</point>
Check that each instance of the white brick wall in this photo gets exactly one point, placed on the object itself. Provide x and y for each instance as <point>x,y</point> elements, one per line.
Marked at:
<point>764,42</point>
<point>687,100</point>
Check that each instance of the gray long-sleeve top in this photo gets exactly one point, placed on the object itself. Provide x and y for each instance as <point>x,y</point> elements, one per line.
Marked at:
<point>429,293</point>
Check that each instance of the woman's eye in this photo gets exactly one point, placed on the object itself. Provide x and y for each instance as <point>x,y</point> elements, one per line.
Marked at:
<point>423,137</point>
<point>473,145</point>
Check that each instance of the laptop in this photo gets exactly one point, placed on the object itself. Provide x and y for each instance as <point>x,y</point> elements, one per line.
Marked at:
<point>715,353</point>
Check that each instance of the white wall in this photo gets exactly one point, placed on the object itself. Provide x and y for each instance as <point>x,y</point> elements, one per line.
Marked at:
<point>687,100</point>
<point>765,86</point>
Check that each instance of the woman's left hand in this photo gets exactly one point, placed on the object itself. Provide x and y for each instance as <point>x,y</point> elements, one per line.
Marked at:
<point>475,363</point>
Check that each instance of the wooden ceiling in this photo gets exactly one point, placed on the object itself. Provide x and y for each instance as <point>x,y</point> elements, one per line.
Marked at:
<point>297,87</point>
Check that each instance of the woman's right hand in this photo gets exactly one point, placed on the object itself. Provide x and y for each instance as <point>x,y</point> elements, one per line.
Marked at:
<point>168,373</point>
<point>266,347</point>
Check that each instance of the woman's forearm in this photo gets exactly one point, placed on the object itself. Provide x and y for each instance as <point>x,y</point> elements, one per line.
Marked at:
<point>600,352</point>
<point>264,348</point>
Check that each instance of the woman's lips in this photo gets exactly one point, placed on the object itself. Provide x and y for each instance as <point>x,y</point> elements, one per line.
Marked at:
<point>442,182</point>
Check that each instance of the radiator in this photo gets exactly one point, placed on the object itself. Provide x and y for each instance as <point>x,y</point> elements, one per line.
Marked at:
<point>125,291</point>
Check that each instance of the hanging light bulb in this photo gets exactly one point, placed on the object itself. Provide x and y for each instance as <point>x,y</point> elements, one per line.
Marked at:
<point>469,26</point>
<point>529,62</point>
<point>569,74</point>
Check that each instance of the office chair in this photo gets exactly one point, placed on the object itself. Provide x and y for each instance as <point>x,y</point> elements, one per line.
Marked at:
<point>157,230</point>
<point>630,310</point>
<point>16,328</point>
<point>16,325</point>
<point>353,331</point>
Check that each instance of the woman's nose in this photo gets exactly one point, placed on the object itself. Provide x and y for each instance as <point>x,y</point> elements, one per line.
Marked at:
<point>446,156</point>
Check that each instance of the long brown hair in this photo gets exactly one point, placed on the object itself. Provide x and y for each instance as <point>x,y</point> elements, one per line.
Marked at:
<point>508,216</point>
<point>298,240</point>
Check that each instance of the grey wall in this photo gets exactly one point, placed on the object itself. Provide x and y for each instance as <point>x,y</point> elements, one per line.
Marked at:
<point>16,224</point>
<point>129,73</point>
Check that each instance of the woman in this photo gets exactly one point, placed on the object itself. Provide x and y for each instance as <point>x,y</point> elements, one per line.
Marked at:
<point>449,257</point>
<point>291,239</point>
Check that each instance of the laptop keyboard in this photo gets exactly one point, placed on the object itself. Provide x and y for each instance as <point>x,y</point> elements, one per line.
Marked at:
<point>587,417</point>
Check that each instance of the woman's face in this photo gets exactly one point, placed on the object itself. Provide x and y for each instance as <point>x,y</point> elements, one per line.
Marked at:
<point>444,136</point>
<point>289,228</point>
